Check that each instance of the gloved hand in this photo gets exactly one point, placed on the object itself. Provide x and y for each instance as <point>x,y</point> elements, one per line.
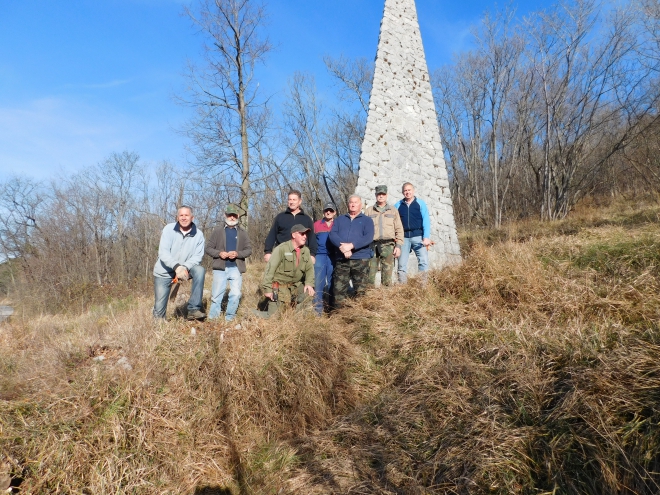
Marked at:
<point>181,273</point>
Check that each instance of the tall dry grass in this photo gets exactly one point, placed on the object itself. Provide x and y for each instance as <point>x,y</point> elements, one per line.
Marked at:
<point>532,368</point>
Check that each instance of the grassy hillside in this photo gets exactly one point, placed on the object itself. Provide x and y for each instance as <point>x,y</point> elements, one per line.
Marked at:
<point>533,368</point>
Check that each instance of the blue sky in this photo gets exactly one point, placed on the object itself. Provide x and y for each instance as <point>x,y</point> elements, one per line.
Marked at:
<point>80,79</point>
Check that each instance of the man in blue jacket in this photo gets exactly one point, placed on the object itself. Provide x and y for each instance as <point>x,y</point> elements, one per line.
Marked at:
<point>352,234</point>
<point>416,231</point>
<point>326,254</point>
<point>180,255</point>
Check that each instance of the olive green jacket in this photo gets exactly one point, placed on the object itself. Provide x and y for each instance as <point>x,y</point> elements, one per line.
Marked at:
<point>282,267</point>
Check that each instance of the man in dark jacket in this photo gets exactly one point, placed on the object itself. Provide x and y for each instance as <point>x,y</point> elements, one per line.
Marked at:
<point>352,234</point>
<point>229,245</point>
<point>280,232</point>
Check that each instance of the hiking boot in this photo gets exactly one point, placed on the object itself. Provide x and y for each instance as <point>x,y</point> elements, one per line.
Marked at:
<point>196,315</point>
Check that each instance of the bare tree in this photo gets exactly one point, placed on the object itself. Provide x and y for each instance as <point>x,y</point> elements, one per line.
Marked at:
<point>347,125</point>
<point>305,138</point>
<point>592,96</point>
<point>21,206</point>
<point>540,112</point>
<point>230,120</point>
<point>356,77</point>
<point>461,96</point>
<point>345,134</point>
<point>501,50</point>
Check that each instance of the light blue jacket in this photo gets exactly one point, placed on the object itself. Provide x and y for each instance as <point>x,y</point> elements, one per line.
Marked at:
<point>178,249</point>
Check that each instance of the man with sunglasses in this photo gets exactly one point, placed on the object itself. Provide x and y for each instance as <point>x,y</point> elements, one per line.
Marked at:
<point>326,254</point>
<point>289,276</point>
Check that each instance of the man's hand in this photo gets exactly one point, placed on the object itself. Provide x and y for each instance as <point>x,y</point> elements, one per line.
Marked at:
<point>397,252</point>
<point>269,295</point>
<point>266,257</point>
<point>348,254</point>
<point>309,290</point>
<point>224,254</point>
<point>426,242</point>
<point>313,259</point>
<point>232,255</point>
<point>181,273</point>
<point>346,246</point>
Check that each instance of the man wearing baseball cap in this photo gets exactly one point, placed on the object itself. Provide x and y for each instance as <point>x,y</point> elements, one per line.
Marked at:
<point>326,254</point>
<point>289,276</point>
<point>388,237</point>
<point>229,245</point>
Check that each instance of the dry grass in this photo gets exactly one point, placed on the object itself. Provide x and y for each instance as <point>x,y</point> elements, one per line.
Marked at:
<point>532,368</point>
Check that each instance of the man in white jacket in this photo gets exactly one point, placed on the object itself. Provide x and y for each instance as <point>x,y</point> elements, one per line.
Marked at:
<point>180,255</point>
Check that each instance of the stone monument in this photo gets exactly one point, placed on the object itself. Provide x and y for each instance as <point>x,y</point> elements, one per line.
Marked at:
<point>402,138</point>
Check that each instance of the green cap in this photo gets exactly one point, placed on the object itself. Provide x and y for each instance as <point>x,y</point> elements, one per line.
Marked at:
<point>232,210</point>
<point>381,189</point>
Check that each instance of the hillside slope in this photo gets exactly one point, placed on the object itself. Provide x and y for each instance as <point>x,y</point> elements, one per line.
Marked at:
<point>532,368</point>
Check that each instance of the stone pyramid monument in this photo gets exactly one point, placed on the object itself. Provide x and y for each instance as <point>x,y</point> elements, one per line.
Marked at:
<point>402,138</point>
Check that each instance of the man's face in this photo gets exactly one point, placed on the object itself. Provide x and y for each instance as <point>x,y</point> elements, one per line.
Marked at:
<point>408,191</point>
<point>381,199</point>
<point>184,217</point>
<point>354,206</point>
<point>294,202</point>
<point>299,238</point>
<point>231,219</point>
<point>328,214</point>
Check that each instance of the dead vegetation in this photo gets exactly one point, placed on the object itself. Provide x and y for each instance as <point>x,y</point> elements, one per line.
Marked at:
<point>532,368</point>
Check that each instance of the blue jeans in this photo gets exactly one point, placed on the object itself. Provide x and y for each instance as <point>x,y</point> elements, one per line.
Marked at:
<point>323,280</point>
<point>163,286</point>
<point>412,244</point>
<point>232,276</point>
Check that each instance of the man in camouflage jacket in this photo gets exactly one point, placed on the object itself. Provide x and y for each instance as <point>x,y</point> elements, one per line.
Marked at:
<point>292,267</point>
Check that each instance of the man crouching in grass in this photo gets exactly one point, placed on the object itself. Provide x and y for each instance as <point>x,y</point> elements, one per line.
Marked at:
<point>180,253</point>
<point>289,276</point>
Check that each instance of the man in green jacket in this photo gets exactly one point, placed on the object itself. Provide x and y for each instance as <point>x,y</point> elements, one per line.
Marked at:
<point>289,276</point>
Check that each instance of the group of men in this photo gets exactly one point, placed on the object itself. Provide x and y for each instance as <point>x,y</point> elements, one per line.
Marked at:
<point>329,260</point>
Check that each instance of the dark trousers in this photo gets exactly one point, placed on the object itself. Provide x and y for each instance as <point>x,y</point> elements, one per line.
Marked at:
<point>347,271</point>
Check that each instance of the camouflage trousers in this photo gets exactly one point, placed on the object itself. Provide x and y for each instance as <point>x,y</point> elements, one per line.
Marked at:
<point>383,256</point>
<point>347,271</point>
<point>292,297</point>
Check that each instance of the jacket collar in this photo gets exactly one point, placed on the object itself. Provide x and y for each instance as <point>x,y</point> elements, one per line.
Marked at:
<point>288,210</point>
<point>193,230</point>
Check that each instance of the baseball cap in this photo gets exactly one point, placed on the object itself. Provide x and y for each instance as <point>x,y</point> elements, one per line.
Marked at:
<point>299,228</point>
